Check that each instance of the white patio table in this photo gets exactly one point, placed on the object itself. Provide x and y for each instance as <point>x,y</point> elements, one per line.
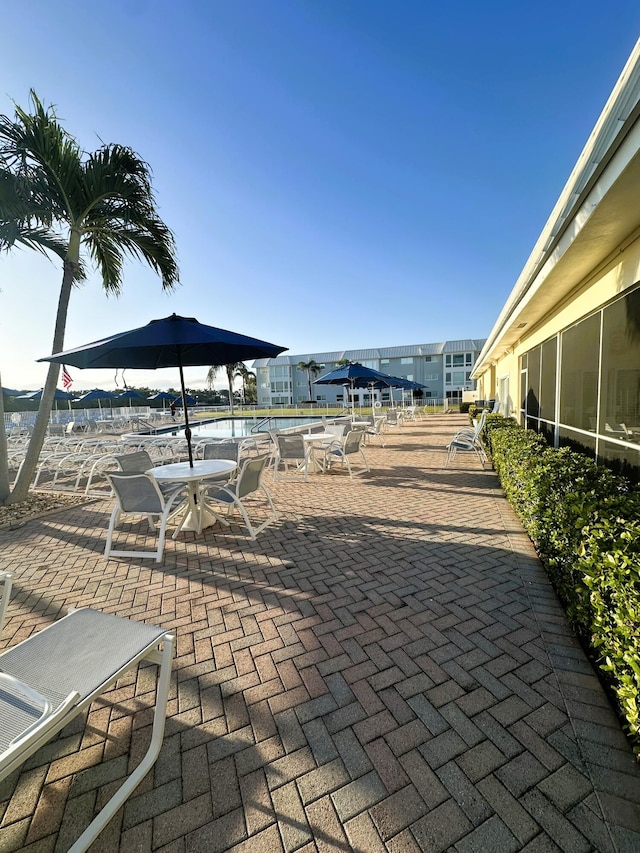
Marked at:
<point>310,439</point>
<point>198,513</point>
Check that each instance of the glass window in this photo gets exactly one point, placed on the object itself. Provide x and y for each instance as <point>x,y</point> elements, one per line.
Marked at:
<point>620,393</point>
<point>447,360</point>
<point>432,377</point>
<point>548,380</point>
<point>458,377</point>
<point>427,358</point>
<point>579,373</point>
<point>578,441</point>
<point>458,359</point>
<point>406,361</point>
<point>622,460</point>
<point>468,358</point>
<point>533,388</point>
<point>384,361</point>
<point>447,378</point>
<point>523,389</point>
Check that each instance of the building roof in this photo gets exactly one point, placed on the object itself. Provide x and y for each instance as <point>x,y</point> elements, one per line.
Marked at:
<point>408,351</point>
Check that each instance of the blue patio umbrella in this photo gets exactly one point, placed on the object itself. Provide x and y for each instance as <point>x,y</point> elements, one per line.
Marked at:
<point>130,395</point>
<point>188,399</point>
<point>169,342</point>
<point>161,395</point>
<point>36,396</point>
<point>398,382</point>
<point>353,375</point>
<point>98,394</point>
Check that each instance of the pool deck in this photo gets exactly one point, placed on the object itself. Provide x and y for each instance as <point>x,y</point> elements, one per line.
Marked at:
<point>385,669</point>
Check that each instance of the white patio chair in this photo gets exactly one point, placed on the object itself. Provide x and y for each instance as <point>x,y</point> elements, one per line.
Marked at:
<point>140,494</point>
<point>468,440</point>
<point>6,579</point>
<point>290,450</point>
<point>54,675</point>
<point>346,451</point>
<point>248,482</point>
<point>376,430</point>
<point>393,418</point>
<point>222,450</point>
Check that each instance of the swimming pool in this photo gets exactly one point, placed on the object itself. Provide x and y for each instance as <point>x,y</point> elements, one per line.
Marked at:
<point>240,427</point>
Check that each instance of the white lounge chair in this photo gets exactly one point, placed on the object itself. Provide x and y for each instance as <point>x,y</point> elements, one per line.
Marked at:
<point>54,675</point>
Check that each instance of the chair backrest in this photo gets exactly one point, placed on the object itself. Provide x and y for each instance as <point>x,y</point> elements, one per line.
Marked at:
<point>6,579</point>
<point>222,450</point>
<point>352,441</point>
<point>392,416</point>
<point>336,429</point>
<point>290,446</point>
<point>135,463</point>
<point>136,492</point>
<point>480,424</point>
<point>250,473</point>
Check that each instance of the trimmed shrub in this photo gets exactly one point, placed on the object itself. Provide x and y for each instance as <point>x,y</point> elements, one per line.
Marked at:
<point>585,524</point>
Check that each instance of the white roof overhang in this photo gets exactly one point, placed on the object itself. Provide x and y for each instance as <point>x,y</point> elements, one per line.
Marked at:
<point>597,213</point>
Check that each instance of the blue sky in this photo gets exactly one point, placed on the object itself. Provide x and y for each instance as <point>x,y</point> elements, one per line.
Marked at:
<point>338,173</point>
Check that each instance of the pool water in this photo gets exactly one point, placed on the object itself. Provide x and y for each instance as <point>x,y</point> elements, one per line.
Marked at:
<point>240,427</point>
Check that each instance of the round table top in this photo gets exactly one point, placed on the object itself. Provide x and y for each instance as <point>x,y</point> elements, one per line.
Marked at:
<point>318,436</point>
<point>202,468</point>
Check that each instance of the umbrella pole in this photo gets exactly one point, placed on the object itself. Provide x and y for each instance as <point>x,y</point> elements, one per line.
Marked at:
<point>187,428</point>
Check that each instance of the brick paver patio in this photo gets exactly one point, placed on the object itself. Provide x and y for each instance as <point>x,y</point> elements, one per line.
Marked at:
<point>385,669</point>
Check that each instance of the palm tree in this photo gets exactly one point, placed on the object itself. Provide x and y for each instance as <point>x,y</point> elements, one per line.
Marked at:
<point>245,375</point>
<point>251,388</point>
<point>55,198</point>
<point>312,368</point>
<point>231,374</point>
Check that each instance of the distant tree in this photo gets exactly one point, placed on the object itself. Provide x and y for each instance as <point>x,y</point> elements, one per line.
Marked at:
<point>56,199</point>
<point>311,368</point>
<point>251,388</point>
<point>230,371</point>
<point>244,374</point>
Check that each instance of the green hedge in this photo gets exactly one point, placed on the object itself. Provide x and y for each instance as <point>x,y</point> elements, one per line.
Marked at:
<point>585,524</point>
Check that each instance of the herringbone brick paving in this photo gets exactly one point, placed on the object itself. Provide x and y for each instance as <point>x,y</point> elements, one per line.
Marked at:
<point>385,669</point>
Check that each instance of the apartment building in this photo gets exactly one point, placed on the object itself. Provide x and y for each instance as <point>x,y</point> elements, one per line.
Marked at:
<point>443,368</point>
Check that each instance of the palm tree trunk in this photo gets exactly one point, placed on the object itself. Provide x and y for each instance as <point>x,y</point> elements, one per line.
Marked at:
<point>5,490</point>
<point>230,372</point>
<point>28,469</point>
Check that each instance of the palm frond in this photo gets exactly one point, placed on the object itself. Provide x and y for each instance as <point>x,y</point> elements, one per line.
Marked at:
<point>36,144</point>
<point>107,257</point>
<point>150,241</point>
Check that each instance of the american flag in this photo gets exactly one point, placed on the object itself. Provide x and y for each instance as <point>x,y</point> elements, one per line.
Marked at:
<point>67,381</point>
